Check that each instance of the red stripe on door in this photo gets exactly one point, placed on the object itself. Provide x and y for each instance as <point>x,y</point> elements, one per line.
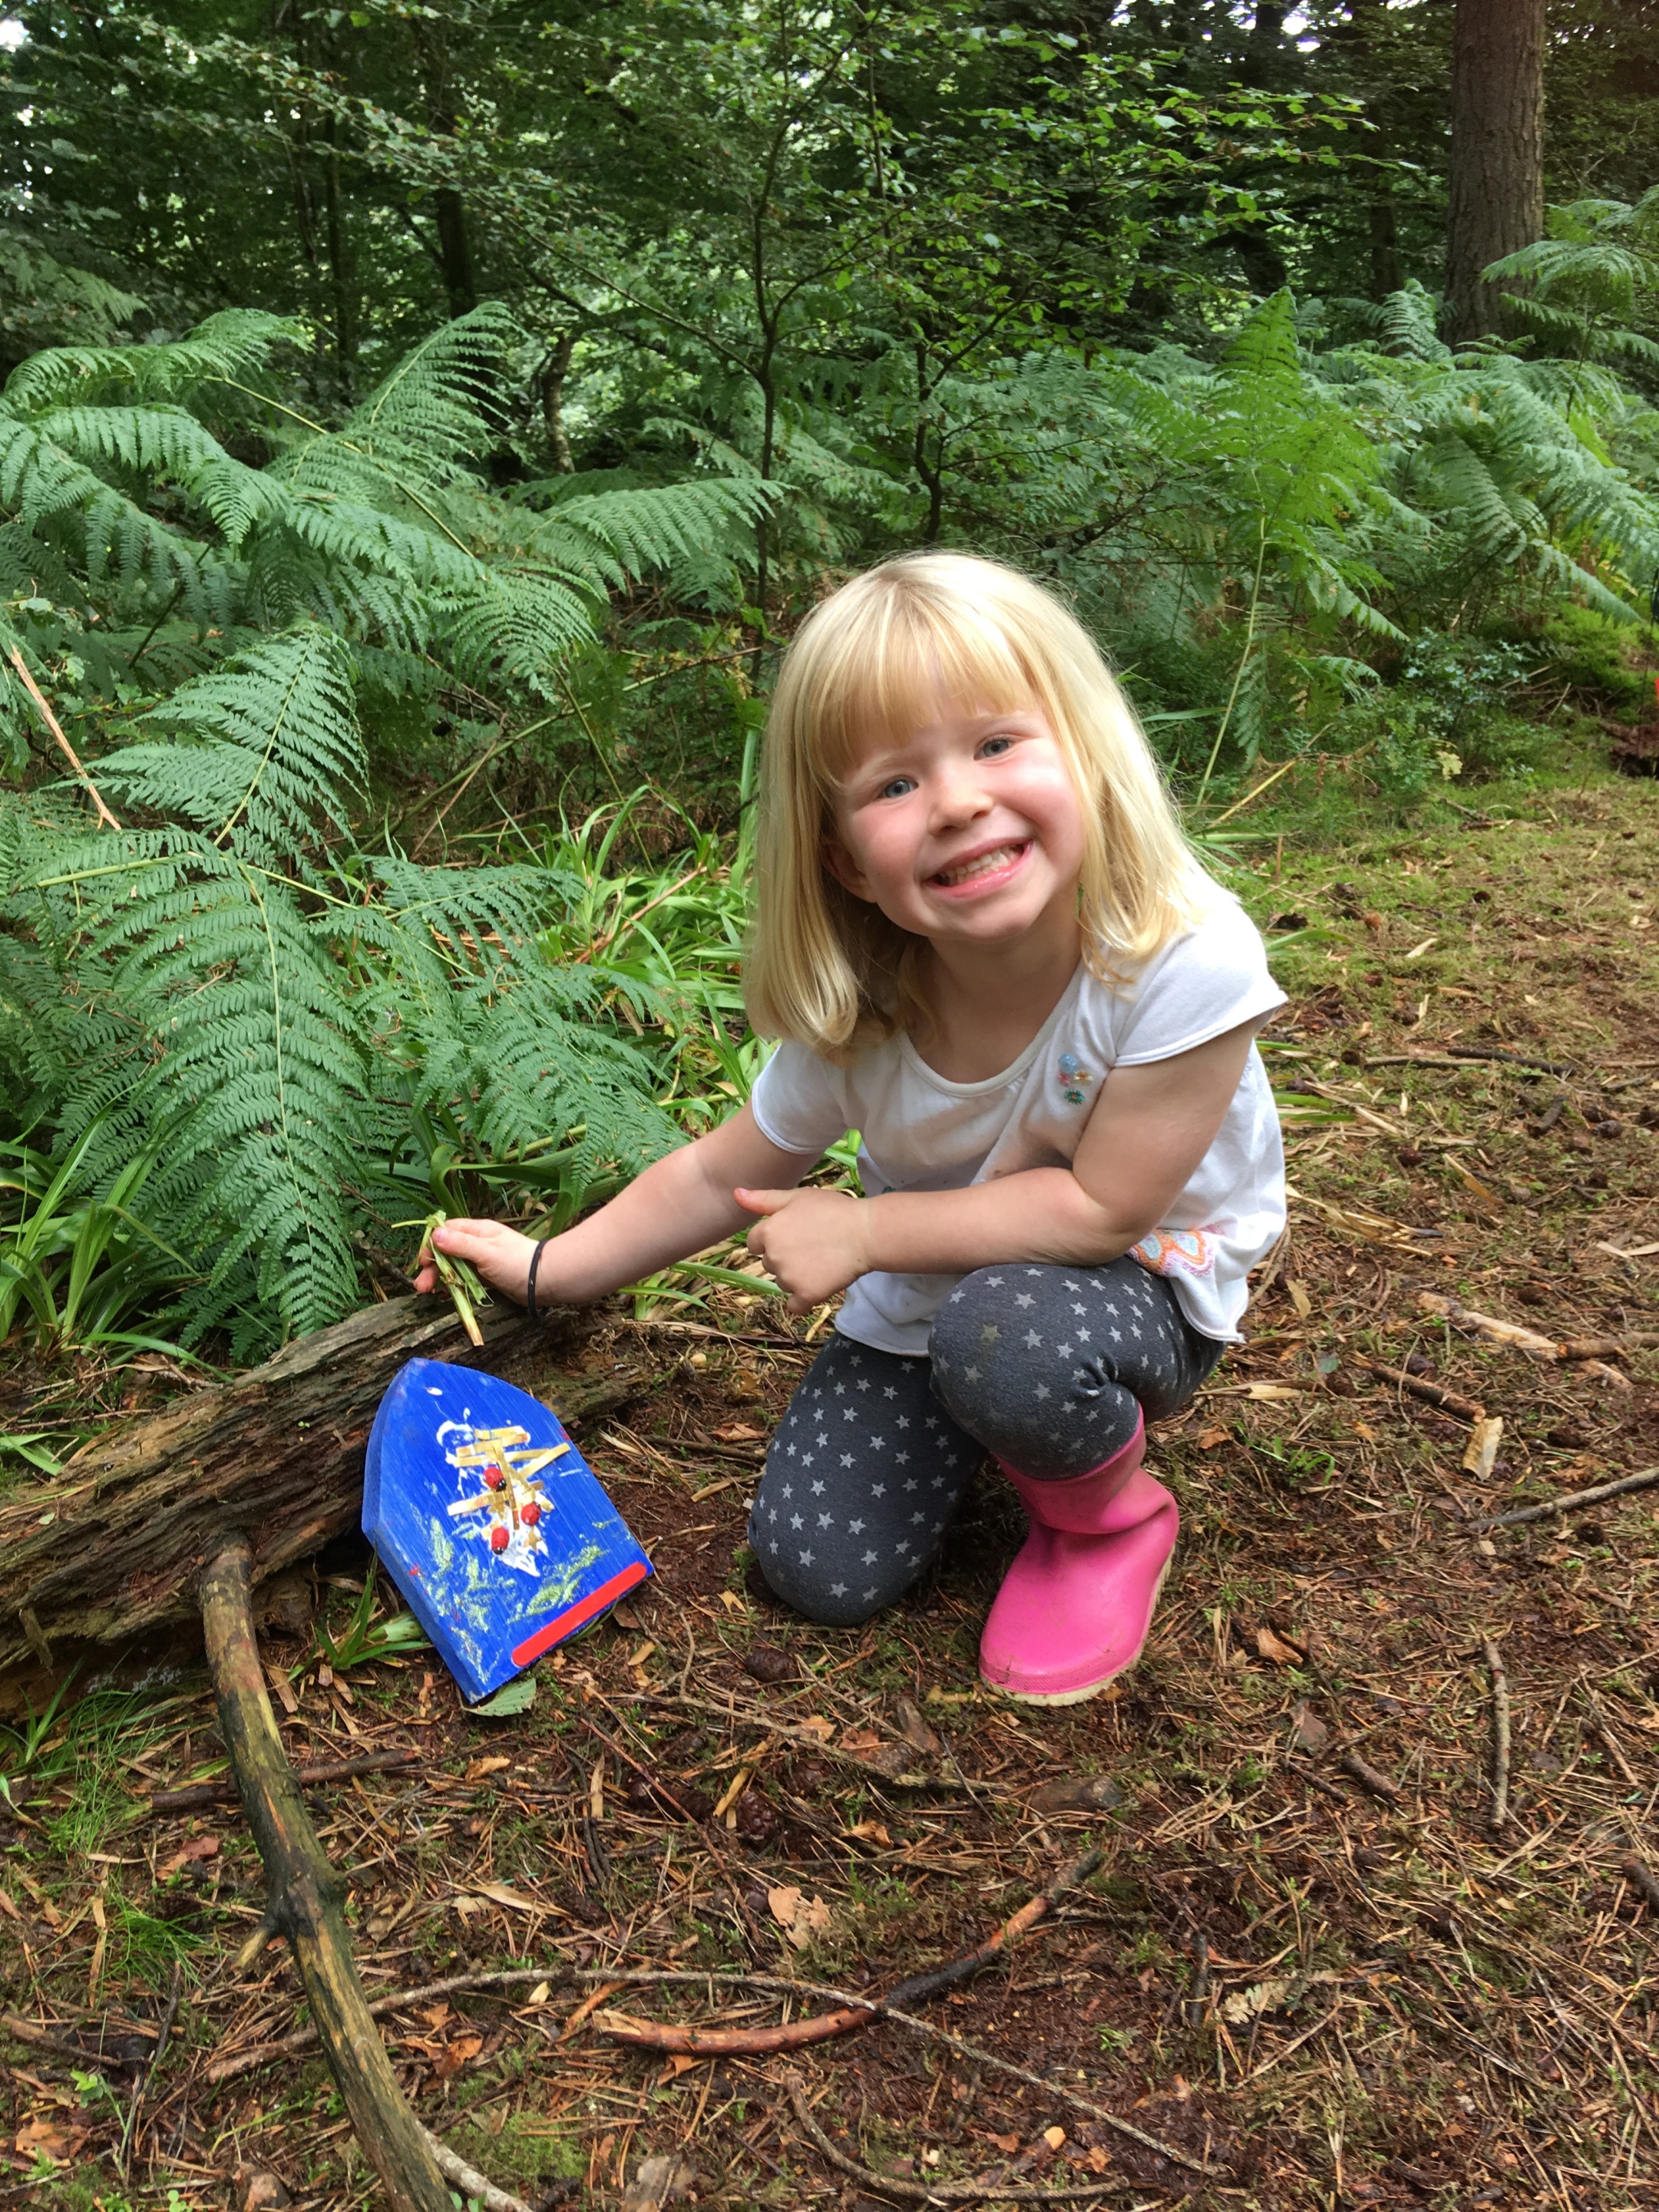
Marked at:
<point>565,1623</point>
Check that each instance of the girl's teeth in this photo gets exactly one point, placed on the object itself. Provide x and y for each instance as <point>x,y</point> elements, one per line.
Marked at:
<point>982,867</point>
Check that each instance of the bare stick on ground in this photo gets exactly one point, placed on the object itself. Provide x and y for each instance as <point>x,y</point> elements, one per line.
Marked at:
<point>306,1895</point>
<point>1499,1813</point>
<point>1569,1502</point>
<point>827,2028</point>
<point>195,1796</point>
<point>1432,1394</point>
<point>1369,1776</point>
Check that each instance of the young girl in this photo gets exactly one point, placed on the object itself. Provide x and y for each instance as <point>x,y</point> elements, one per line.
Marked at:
<point>985,947</point>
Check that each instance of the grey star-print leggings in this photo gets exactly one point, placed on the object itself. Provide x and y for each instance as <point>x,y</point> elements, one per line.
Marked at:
<point>1047,1368</point>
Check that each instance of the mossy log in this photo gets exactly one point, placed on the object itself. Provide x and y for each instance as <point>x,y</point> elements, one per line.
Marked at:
<point>116,1543</point>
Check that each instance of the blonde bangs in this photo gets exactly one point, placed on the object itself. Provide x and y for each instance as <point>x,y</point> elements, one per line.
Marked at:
<point>881,655</point>
<point>892,659</point>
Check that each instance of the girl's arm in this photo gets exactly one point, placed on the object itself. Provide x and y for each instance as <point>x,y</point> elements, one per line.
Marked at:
<point>681,1204</point>
<point>1144,1141</point>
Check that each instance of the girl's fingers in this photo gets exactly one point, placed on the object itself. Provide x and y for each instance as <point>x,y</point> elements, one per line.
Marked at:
<point>763,1201</point>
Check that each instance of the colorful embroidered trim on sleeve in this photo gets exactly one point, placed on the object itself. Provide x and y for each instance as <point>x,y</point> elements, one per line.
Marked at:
<point>1165,1251</point>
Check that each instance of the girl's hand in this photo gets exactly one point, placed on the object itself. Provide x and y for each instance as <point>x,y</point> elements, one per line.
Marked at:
<point>500,1255</point>
<point>814,1243</point>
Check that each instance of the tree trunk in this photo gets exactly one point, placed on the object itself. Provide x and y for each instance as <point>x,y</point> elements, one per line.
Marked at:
<point>1496,200</point>
<point>455,251</point>
<point>116,1543</point>
<point>1384,231</point>
<point>554,373</point>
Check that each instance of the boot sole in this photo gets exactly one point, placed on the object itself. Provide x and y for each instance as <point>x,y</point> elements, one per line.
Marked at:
<point>1093,1689</point>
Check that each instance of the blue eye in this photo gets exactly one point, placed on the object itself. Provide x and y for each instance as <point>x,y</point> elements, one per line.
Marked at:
<point>898,788</point>
<point>994,748</point>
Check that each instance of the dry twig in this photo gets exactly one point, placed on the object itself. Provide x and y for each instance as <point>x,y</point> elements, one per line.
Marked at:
<point>1500,1736</point>
<point>1569,1502</point>
<point>851,2020</point>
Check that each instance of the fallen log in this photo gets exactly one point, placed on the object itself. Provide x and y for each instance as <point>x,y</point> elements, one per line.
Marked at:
<point>115,1544</point>
<point>182,1512</point>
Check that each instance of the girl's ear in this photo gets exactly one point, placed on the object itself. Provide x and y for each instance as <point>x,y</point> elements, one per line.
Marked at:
<point>839,863</point>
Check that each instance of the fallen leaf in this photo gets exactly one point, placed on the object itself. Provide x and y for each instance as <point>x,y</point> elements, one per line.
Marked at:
<point>513,1698</point>
<point>453,2056</point>
<point>199,1847</point>
<point>480,1767</point>
<point>49,2139</point>
<point>436,2015</point>
<point>515,1900</point>
<point>1260,1390</point>
<point>1098,2160</point>
<point>1244,2005</point>
<point>657,2181</point>
<point>1365,1430</point>
<point>624,1616</point>
<point>1212,1437</point>
<point>861,1741</point>
<point>1271,1645</point>
<point>1299,1298</point>
<point>679,2061</point>
<point>1483,1194</point>
<point>738,1432</point>
<point>1311,1733</point>
<point>800,1919</point>
<point>1053,2137</point>
<point>732,1603</point>
<point>914,1729</point>
<point>1009,2143</point>
<point>815,1725</point>
<point>257,2189</point>
<point>869,1832</point>
<point>540,1994</point>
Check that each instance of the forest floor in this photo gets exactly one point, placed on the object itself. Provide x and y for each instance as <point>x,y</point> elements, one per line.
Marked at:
<point>1309,1962</point>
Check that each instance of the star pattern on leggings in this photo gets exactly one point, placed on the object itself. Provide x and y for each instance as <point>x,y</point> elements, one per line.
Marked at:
<point>874,1451</point>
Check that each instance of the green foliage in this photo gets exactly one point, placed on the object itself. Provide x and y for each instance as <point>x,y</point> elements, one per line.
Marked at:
<point>367,606</point>
<point>1596,655</point>
<point>232,1001</point>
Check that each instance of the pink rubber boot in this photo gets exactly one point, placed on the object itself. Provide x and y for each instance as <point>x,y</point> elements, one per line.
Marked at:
<point>1076,1605</point>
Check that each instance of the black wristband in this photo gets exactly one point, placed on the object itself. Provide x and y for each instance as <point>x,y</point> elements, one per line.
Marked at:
<point>529,1288</point>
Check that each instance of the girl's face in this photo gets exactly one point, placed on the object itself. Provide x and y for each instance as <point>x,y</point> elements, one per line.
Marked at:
<point>967,829</point>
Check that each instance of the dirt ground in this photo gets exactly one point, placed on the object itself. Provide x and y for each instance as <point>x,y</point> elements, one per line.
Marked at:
<point>1310,1962</point>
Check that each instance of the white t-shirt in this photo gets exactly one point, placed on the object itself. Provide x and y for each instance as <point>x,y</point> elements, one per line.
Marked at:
<point>922,1132</point>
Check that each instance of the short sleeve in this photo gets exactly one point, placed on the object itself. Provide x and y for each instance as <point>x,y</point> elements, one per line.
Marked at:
<point>1199,986</point>
<point>798,1101</point>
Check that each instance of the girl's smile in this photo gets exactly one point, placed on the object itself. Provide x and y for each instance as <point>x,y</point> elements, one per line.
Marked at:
<point>966,830</point>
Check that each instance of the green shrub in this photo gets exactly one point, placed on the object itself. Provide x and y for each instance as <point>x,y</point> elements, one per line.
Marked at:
<point>1595,653</point>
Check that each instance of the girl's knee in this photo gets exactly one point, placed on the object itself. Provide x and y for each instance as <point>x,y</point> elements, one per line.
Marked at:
<point>827,1602</point>
<point>966,1330</point>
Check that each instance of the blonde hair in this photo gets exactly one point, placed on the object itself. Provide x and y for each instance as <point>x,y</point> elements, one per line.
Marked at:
<point>830,970</point>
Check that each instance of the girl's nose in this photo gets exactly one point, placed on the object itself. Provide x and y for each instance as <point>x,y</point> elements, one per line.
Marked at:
<point>958,796</point>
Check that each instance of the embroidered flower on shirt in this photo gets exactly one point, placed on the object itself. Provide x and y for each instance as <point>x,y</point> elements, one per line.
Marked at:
<point>1074,1078</point>
<point>1170,1251</point>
